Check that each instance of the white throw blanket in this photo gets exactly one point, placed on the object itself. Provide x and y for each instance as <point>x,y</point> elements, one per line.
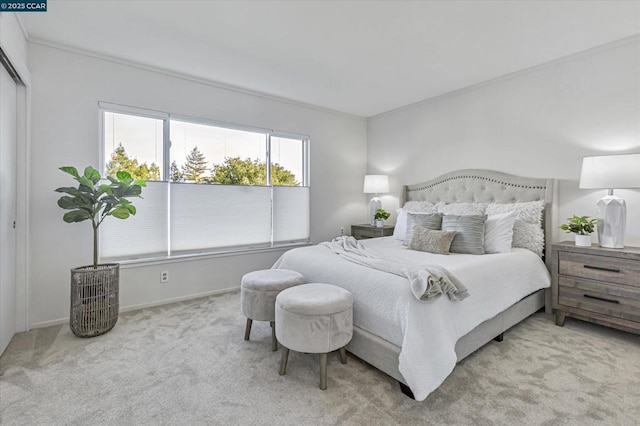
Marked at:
<point>426,282</point>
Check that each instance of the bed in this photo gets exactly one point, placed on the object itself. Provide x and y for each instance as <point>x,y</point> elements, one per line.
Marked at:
<point>418,343</point>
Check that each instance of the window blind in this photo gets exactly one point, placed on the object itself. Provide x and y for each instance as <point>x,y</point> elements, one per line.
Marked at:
<point>213,216</point>
<point>142,235</point>
<point>290,214</point>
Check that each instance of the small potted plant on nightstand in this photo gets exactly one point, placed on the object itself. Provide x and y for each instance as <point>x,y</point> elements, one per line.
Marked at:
<point>380,216</point>
<point>582,227</point>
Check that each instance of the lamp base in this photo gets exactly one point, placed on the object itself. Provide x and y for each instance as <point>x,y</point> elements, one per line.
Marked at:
<point>612,221</point>
<point>374,204</point>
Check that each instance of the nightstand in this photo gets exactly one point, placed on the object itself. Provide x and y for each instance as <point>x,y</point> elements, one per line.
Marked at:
<point>597,284</point>
<point>361,232</point>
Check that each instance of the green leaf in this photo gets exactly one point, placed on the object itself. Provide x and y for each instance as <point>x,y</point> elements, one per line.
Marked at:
<point>133,191</point>
<point>120,213</point>
<point>68,190</point>
<point>85,181</point>
<point>71,170</point>
<point>123,176</point>
<point>76,216</point>
<point>67,203</point>
<point>140,183</point>
<point>131,208</point>
<point>92,174</point>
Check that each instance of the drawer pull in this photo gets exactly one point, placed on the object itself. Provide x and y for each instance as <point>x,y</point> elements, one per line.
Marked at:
<point>588,296</point>
<point>602,268</point>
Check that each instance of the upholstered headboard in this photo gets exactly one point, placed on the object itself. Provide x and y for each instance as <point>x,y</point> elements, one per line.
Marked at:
<point>487,186</point>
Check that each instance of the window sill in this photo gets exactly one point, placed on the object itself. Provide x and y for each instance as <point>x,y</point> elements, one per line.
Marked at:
<point>161,260</point>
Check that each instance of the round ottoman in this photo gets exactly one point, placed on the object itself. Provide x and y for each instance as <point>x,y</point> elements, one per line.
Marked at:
<point>314,318</point>
<point>258,296</point>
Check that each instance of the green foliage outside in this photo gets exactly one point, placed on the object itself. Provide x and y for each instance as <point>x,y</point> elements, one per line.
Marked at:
<point>234,170</point>
<point>121,162</point>
<point>195,167</point>
<point>175,175</point>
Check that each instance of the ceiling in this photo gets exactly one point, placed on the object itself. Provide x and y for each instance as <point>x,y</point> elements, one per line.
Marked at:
<point>358,57</point>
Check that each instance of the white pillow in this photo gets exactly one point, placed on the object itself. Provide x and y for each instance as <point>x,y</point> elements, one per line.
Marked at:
<point>529,212</point>
<point>498,232</point>
<point>419,207</point>
<point>400,230</point>
<point>462,209</point>
<point>527,228</point>
<point>529,236</point>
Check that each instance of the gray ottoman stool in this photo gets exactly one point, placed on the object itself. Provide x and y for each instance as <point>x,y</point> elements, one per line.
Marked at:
<point>314,318</point>
<point>258,296</point>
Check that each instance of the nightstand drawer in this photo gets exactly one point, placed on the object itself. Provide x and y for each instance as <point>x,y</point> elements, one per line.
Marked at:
<point>607,299</point>
<point>602,268</point>
<point>366,233</point>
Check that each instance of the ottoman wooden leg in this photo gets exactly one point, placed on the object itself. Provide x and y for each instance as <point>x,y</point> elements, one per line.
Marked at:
<point>247,330</point>
<point>274,341</point>
<point>323,371</point>
<point>283,361</point>
<point>343,355</point>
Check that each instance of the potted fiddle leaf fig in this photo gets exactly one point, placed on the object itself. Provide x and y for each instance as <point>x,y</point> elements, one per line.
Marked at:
<point>582,227</point>
<point>94,288</point>
<point>380,216</point>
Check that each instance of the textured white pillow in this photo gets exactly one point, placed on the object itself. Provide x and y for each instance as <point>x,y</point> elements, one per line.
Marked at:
<point>498,232</point>
<point>527,228</point>
<point>400,230</point>
<point>529,236</point>
<point>529,212</point>
<point>462,209</point>
<point>420,207</point>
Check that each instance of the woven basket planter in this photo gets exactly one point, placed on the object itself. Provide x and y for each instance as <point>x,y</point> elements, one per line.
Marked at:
<point>94,299</point>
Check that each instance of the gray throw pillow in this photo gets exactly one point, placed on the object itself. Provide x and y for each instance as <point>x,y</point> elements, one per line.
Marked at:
<point>431,241</point>
<point>469,238</point>
<point>429,221</point>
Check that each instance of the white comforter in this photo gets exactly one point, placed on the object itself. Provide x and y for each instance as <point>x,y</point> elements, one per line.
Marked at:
<point>427,332</point>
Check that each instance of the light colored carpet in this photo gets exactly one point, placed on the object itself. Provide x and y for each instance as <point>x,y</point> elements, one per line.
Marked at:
<point>187,364</point>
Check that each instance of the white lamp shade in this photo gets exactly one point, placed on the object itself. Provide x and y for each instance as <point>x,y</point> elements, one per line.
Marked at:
<point>610,172</point>
<point>376,184</point>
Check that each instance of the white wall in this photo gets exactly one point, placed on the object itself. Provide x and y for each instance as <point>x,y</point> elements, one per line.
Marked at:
<point>66,89</point>
<point>538,123</point>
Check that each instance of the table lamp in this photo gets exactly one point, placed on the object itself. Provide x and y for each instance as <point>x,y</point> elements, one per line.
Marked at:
<point>611,172</point>
<point>375,184</point>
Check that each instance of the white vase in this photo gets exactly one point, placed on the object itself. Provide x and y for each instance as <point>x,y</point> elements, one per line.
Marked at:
<point>583,240</point>
<point>379,223</point>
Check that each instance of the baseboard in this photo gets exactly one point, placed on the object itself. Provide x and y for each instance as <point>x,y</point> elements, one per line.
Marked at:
<point>65,320</point>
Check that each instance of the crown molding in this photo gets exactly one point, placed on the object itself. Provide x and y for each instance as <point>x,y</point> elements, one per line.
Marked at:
<point>515,74</point>
<point>185,76</point>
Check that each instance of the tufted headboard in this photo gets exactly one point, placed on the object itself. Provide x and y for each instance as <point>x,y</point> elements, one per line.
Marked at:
<point>487,186</point>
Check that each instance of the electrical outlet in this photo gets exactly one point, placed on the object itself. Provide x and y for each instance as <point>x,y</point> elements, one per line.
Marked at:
<point>342,231</point>
<point>164,276</point>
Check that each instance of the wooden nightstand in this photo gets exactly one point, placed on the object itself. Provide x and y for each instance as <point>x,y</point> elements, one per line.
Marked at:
<point>361,232</point>
<point>597,284</point>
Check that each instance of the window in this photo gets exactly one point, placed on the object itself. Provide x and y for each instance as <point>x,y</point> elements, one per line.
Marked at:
<point>210,187</point>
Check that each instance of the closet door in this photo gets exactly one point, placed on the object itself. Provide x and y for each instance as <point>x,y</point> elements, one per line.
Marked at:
<point>8,147</point>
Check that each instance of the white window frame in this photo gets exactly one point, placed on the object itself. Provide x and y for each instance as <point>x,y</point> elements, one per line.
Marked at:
<point>166,118</point>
